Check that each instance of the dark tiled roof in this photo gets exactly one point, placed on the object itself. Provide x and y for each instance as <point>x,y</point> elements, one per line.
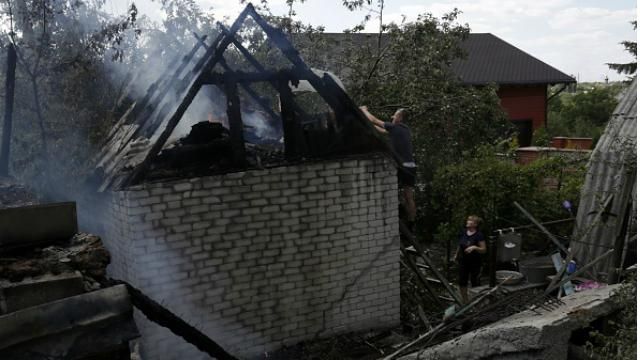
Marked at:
<point>492,59</point>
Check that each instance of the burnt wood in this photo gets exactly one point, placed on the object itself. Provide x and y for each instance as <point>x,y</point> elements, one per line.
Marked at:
<point>217,52</point>
<point>256,64</point>
<point>293,140</point>
<point>332,94</point>
<point>254,95</point>
<point>164,84</point>
<point>251,77</point>
<point>163,317</point>
<point>179,84</point>
<point>235,120</point>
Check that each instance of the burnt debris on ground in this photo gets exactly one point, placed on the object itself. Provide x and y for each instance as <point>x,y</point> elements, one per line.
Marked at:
<point>14,194</point>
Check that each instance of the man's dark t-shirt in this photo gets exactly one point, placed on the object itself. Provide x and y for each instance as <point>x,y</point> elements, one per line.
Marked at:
<point>400,137</point>
<point>464,241</point>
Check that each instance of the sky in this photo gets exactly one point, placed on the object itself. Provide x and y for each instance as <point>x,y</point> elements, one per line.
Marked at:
<point>577,37</point>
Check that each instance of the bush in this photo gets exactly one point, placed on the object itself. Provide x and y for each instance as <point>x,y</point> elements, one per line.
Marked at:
<point>621,344</point>
<point>487,186</point>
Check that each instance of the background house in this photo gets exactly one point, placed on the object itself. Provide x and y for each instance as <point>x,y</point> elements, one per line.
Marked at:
<point>523,80</point>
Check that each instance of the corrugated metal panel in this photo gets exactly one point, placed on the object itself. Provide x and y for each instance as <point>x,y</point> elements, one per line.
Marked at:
<point>608,174</point>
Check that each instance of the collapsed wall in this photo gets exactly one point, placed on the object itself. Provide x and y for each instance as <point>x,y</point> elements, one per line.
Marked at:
<point>263,258</point>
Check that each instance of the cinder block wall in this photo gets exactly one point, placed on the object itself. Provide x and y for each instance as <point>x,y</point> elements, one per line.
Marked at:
<point>264,258</point>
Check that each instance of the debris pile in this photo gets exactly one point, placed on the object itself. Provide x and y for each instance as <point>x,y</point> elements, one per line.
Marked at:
<point>52,303</point>
<point>84,253</point>
<point>207,149</point>
<point>13,194</point>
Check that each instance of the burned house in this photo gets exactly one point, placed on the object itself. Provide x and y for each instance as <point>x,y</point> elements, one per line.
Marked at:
<point>258,244</point>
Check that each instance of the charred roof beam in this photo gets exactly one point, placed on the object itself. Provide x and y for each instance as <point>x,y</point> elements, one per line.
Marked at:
<point>251,77</point>
<point>212,56</point>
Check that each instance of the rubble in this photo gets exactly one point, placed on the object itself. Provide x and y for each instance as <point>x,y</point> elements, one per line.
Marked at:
<point>528,334</point>
<point>84,253</point>
<point>14,194</point>
<point>52,303</point>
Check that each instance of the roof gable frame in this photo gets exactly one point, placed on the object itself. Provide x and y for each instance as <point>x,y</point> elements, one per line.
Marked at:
<point>147,122</point>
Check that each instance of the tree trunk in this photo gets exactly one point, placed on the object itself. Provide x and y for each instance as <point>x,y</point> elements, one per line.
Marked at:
<point>8,110</point>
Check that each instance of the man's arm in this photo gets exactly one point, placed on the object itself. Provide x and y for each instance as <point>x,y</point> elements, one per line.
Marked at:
<point>377,122</point>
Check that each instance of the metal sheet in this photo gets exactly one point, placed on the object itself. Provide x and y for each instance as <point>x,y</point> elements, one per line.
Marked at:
<point>37,224</point>
<point>608,173</point>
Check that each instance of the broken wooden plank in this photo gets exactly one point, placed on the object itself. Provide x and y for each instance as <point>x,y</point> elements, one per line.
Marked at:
<point>560,267</point>
<point>542,228</point>
<point>421,278</point>
<point>591,226</point>
<point>580,271</point>
<point>410,238</point>
<point>444,323</point>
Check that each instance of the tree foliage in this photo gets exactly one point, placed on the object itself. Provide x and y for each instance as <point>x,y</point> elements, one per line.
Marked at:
<point>73,61</point>
<point>584,113</point>
<point>62,84</point>
<point>487,185</point>
<point>632,48</point>
<point>619,343</point>
<point>411,68</point>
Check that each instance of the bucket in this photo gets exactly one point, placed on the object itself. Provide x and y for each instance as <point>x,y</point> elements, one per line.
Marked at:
<point>537,269</point>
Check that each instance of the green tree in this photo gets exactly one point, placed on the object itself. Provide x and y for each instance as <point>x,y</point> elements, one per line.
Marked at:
<point>583,113</point>
<point>412,70</point>
<point>632,48</point>
<point>487,185</point>
<point>62,84</point>
<point>620,342</point>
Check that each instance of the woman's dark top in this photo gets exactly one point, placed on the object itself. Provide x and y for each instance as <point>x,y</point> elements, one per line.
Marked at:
<point>464,241</point>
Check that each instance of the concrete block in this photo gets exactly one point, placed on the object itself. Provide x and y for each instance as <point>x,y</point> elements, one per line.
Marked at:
<point>31,292</point>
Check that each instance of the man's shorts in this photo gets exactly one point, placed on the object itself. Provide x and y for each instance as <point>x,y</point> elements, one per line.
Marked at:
<point>406,176</point>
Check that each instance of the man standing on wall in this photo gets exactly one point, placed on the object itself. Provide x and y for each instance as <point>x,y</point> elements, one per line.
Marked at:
<point>400,136</point>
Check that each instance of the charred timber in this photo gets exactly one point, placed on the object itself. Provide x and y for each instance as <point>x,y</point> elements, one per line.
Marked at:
<point>256,64</point>
<point>235,119</point>
<point>293,138</point>
<point>251,77</point>
<point>161,316</point>
<point>254,95</point>
<point>212,56</point>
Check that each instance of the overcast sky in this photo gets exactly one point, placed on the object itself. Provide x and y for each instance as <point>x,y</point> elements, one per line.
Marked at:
<point>575,36</point>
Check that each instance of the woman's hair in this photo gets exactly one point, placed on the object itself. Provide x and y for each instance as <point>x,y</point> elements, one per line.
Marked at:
<point>476,219</point>
<point>403,114</point>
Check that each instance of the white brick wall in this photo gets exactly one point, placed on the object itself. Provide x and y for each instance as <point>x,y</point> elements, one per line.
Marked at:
<point>263,258</point>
